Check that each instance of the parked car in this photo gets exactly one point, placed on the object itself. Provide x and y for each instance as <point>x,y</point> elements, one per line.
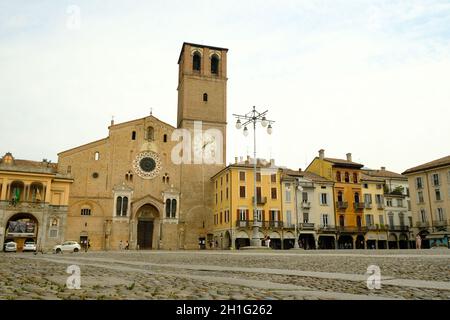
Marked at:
<point>67,246</point>
<point>29,245</point>
<point>11,246</point>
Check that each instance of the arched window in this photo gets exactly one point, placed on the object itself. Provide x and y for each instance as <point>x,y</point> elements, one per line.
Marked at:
<point>196,61</point>
<point>174,208</point>
<point>356,197</point>
<point>119,206</point>
<point>150,134</point>
<point>340,198</point>
<point>214,64</point>
<point>347,177</point>
<point>168,202</point>
<point>355,177</point>
<point>124,206</point>
<point>133,135</point>
<point>205,97</point>
<point>97,156</point>
<point>165,138</point>
<point>338,176</point>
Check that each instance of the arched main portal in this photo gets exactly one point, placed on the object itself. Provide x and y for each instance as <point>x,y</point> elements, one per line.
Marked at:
<point>21,227</point>
<point>146,216</point>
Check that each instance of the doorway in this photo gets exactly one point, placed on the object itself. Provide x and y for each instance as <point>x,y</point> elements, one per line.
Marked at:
<point>145,234</point>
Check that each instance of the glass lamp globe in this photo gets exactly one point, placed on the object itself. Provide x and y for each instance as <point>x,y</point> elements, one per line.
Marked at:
<point>245,131</point>
<point>238,124</point>
<point>264,122</point>
<point>269,129</point>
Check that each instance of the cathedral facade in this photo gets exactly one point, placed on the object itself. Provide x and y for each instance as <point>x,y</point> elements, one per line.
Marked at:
<point>145,185</point>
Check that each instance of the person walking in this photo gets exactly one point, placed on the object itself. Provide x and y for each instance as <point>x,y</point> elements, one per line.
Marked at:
<point>127,246</point>
<point>120,245</point>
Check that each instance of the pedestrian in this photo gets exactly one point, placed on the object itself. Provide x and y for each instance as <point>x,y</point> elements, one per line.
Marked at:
<point>89,244</point>
<point>127,246</point>
<point>120,245</point>
<point>418,242</point>
<point>268,242</point>
<point>85,245</point>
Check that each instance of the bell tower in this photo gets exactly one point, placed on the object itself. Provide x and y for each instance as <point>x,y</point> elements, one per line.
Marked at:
<point>202,98</point>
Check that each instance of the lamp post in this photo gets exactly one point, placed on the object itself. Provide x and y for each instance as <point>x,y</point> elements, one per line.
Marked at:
<point>254,117</point>
<point>298,188</point>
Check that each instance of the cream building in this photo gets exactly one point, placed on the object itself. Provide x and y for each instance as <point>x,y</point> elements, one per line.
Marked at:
<point>148,182</point>
<point>314,209</point>
<point>34,200</point>
<point>429,186</point>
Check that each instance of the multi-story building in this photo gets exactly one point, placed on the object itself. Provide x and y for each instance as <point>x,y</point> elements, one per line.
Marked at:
<point>429,186</point>
<point>148,182</point>
<point>374,214</point>
<point>314,209</point>
<point>234,192</point>
<point>34,199</point>
<point>349,205</point>
<point>397,207</point>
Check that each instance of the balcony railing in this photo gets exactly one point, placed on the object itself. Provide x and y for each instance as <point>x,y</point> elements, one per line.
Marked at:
<point>243,223</point>
<point>372,228</point>
<point>341,205</point>
<point>398,228</point>
<point>289,225</point>
<point>306,205</point>
<point>359,205</point>
<point>368,205</point>
<point>422,224</point>
<point>352,229</point>
<point>23,205</point>
<point>259,200</point>
<point>273,224</point>
<point>440,223</point>
<point>306,226</point>
<point>327,228</point>
<point>380,206</point>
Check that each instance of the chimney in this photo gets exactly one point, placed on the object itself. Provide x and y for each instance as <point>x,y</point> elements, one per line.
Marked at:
<point>235,160</point>
<point>383,168</point>
<point>272,162</point>
<point>321,154</point>
<point>299,169</point>
<point>349,157</point>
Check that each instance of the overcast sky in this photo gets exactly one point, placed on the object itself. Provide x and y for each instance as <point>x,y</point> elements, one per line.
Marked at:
<point>367,77</point>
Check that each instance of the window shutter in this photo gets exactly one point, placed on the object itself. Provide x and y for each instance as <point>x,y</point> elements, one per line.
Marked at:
<point>246,214</point>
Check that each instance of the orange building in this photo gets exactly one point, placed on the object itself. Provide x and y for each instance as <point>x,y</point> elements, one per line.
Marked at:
<point>347,193</point>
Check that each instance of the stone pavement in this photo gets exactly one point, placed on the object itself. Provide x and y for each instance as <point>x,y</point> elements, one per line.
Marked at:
<point>236,275</point>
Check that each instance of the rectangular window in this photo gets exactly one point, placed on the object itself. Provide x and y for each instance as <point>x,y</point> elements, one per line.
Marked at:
<point>226,178</point>
<point>274,193</point>
<point>391,219</point>
<point>389,202</point>
<point>369,220</point>
<point>323,199</point>
<point>325,220</point>
<point>216,184</point>
<point>242,176</point>
<point>436,179</point>
<point>242,191</point>
<point>419,184</point>
<point>85,212</point>
<point>379,186</point>
<point>220,221</point>
<point>53,233</point>
<point>216,198</point>
<point>423,215</point>
<point>273,215</point>
<point>221,181</point>
<point>305,197</point>
<point>381,219</point>
<point>273,178</point>
<point>438,194</point>
<point>258,193</point>
<point>440,214</point>
<point>259,215</point>
<point>227,193</point>
<point>305,217</point>
<point>288,218</point>
<point>366,186</point>
<point>288,192</point>
<point>242,214</point>
<point>221,196</point>
<point>400,203</point>
<point>258,176</point>
<point>420,197</point>
<point>378,199</point>
<point>368,198</point>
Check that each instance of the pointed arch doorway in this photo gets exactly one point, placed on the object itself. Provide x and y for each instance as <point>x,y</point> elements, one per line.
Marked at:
<point>146,216</point>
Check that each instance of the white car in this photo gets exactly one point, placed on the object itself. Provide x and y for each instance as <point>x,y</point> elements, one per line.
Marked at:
<point>67,246</point>
<point>29,246</point>
<point>11,247</point>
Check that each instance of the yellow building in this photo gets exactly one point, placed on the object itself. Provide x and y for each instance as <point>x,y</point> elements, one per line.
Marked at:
<point>33,202</point>
<point>349,205</point>
<point>374,214</point>
<point>233,206</point>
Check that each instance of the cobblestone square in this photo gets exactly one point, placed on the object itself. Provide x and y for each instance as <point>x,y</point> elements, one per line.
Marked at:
<point>228,275</point>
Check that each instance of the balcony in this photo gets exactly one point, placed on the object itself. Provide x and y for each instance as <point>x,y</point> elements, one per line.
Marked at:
<point>347,229</point>
<point>306,205</point>
<point>342,205</point>
<point>380,206</point>
<point>273,224</point>
<point>306,226</point>
<point>372,227</point>
<point>398,228</point>
<point>289,225</point>
<point>260,200</point>
<point>25,206</point>
<point>422,224</point>
<point>324,228</point>
<point>439,223</point>
<point>243,223</point>
<point>367,205</point>
<point>359,205</point>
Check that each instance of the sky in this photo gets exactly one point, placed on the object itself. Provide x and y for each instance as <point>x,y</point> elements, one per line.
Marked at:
<point>367,77</point>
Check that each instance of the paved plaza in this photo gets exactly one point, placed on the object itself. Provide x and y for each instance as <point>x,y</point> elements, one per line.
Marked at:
<point>236,275</point>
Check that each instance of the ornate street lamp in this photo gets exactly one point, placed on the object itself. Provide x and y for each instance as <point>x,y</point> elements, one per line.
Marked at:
<point>253,117</point>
